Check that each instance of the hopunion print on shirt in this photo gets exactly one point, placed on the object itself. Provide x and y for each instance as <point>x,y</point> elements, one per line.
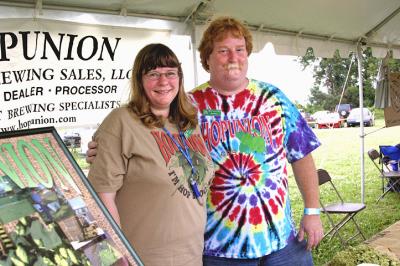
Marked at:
<point>180,170</point>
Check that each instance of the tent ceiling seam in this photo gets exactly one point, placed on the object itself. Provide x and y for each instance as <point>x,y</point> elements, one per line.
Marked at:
<point>196,8</point>
<point>90,10</point>
<point>302,34</point>
<point>382,23</point>
<point>38,8</point>
<point>123,12</point>
<point>123,9</point>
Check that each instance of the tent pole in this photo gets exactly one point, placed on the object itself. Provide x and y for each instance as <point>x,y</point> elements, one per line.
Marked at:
<point>194,46</point>
<point>345,82</point>
<point>361,96</point>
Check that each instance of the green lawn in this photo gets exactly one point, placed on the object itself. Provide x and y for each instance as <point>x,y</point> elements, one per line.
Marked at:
<point>340,154</point>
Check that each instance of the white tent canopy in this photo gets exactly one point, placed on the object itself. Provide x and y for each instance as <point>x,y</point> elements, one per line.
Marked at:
<point>291,25</point>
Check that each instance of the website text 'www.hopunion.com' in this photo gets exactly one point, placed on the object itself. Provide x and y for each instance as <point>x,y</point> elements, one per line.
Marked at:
<point>26,124</point>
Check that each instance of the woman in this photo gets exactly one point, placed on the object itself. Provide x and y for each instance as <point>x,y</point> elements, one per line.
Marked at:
<point>152,167</point>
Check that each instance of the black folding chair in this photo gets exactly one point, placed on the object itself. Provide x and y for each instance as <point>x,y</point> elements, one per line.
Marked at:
<point>346,210</point>
<point>385,173</point>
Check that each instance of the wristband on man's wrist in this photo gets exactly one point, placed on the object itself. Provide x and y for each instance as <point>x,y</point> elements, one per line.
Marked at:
<point>312,211</point>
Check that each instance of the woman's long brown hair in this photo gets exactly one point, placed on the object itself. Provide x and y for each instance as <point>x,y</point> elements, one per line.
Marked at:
<point>182,112</point>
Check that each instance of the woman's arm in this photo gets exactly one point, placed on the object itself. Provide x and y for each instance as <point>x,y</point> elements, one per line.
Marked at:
<point>108,199</point>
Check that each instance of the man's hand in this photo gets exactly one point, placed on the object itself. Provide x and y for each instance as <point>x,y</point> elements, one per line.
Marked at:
<point>91,152</point>
<point>311,225</point>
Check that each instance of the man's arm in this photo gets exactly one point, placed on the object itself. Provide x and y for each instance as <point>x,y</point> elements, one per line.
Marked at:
<point>307,180</point>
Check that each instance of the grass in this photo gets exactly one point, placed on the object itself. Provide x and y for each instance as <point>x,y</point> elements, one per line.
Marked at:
<point>340,155</point>
<point>80,159</point>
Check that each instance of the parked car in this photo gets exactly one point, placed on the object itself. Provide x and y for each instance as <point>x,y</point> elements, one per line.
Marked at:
<point>319,114</point>
<point>329,120</point>
<point>354,117</point>
<point>309,118</point>
<point>72,140</point>
<point>343,110</point>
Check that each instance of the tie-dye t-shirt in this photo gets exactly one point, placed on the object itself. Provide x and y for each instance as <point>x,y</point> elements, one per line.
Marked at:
<point>250,135</point>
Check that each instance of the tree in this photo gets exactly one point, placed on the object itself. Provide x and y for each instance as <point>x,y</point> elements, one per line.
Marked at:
<point>330,74</point>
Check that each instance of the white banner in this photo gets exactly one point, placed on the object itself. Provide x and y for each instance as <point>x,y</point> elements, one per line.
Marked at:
<point>65,74</point>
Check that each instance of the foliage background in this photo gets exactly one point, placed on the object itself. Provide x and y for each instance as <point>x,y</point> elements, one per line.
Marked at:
<point>330,76</point>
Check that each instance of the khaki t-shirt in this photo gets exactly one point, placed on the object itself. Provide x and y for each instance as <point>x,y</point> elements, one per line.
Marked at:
<point>158,213</point>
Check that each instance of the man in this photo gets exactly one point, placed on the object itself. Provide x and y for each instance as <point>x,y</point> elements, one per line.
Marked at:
<point>251,129</point>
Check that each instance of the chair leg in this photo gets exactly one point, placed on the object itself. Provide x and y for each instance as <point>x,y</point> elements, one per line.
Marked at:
<point>343,222</point>
<point>358,228</point>
<point>381,196</point>
<point>387,189</point>
<point>333,226</point>
<point>336,227</point>
<point>393,185</point>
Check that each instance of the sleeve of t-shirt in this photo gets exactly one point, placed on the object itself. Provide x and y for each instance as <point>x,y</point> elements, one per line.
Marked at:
<point>107,172</point>
<point>299,138</point>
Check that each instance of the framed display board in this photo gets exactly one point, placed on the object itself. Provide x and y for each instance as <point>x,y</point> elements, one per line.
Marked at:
<point>49,212</point>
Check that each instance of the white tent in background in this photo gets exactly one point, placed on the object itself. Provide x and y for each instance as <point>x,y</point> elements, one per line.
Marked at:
<point>291,26</point>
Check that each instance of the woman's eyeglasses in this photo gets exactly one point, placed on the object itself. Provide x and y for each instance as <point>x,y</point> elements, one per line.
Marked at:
<point>154,75</point>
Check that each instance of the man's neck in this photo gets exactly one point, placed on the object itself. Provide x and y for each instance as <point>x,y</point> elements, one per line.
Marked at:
<point>227,88</point>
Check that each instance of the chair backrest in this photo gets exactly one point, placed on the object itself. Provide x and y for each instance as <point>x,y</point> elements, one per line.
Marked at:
<point>324,177</point>
<point>374,156</point>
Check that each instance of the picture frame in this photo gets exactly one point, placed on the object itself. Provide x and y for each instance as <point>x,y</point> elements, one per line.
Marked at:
<point>49,212</point>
